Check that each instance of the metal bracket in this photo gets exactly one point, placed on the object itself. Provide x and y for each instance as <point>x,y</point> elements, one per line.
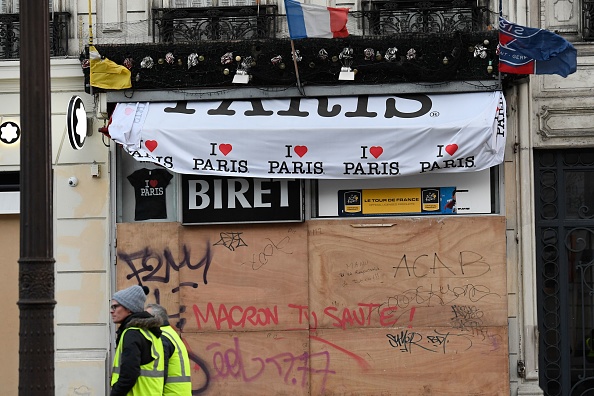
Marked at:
<point>521,369</point>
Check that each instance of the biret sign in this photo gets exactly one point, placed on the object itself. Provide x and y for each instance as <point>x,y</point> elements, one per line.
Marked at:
<point>211,200</point>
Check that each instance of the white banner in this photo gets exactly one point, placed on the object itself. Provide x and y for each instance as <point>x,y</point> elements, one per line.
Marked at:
<point>313,138</point>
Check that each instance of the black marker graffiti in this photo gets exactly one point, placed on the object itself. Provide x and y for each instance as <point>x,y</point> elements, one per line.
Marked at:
<point>261,259</point>
<point>467,317</point>
<point>407,340</point>
<point>166,262</point>
<point>469,265</point>
<point>231,240</point>
<point>202,364</point>
<point>442,295</point>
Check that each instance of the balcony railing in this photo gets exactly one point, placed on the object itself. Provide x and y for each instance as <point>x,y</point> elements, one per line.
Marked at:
<point>378,18</point>
<point>390,42</point>
<point>189,25</point>
<point>10,34</point>
<point>381,17</point>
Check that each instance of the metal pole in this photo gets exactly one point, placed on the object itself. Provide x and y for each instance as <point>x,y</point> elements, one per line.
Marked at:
<point>36,264</point>
<point>90,25</point>
<point>299,87</point>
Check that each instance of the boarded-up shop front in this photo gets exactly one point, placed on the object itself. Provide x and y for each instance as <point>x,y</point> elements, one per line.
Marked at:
<point>355,300</point>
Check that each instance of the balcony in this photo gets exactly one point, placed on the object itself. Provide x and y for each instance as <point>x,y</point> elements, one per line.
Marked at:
<point>10,34</point>
<point>390,42</point>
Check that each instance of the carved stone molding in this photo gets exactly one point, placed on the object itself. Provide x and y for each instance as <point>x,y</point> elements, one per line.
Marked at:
<point>565,122</point>
<point>562,16</point>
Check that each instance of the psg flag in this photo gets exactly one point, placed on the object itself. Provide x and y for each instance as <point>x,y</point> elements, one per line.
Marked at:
<point>526,50</point>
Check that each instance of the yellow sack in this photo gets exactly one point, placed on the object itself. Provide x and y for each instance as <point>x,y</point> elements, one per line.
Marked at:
<point>107,74</point>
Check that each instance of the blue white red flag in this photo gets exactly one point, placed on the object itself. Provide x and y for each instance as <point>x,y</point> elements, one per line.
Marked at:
<point>306,20</point>
<point>526,50</point>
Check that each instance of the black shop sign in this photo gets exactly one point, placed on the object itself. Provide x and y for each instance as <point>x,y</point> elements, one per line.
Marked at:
<point>211,200</point>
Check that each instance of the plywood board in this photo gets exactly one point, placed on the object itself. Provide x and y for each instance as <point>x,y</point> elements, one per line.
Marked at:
<point>417,361</point>
<point>440,272</point>
<point>148,254</point>
<point>424,361</point>
<point>250,363</point>
<point>247,277</point>
<point>407,306</point>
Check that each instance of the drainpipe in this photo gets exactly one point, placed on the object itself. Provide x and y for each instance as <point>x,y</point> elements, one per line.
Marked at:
<point>527,244</point>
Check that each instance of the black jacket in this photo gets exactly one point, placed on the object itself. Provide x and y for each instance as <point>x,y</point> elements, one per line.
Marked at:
<point>136,350</point>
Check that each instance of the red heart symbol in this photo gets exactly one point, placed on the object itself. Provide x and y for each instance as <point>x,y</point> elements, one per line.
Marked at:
<point>153,183</point>
<point>225,148</point>
<point>376,151</point>
<point>451,149</point>
<point>300,150</point>
<point>151,145</point>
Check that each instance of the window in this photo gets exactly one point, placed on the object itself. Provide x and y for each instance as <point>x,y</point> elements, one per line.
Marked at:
<point>9,181</point>
<point>453,193</point>
<point>9,192</point>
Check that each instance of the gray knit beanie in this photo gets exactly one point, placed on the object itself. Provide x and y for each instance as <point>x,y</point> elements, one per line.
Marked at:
<point>132,298</point>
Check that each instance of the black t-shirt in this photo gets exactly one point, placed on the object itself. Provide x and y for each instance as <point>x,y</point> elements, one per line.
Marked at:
<point>149,190</point>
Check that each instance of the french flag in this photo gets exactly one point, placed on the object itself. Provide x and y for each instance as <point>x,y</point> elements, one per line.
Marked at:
<point>306,20</point>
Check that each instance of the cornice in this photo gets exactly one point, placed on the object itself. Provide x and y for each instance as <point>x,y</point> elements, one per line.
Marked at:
<point>66,75</point>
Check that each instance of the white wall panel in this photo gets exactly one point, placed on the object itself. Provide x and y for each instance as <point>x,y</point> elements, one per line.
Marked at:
<point>90,198</point>
<point>81,299</point>
<point>81,373</point>
<point>81,245</point>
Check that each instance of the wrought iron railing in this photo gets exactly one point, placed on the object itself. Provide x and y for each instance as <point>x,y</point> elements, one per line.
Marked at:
<point>377,18</point>
<point>10,34</point>
<point>404,16</point>
<point>190,25</point>
<point>588,20</point>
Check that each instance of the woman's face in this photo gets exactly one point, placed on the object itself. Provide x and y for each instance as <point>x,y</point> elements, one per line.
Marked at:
<point>118,312</point>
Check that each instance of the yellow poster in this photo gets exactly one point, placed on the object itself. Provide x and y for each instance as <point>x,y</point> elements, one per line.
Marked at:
<point>396,200</point>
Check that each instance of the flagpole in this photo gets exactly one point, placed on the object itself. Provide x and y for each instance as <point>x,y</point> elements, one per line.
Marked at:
<point>90,25</point>
<point>90,45</point>
<point>299,87</point>
<point>498,43</point>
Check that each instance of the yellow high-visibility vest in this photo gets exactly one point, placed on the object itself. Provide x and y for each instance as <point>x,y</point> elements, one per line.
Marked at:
<point>179,380</point>
<point>152,375</point>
